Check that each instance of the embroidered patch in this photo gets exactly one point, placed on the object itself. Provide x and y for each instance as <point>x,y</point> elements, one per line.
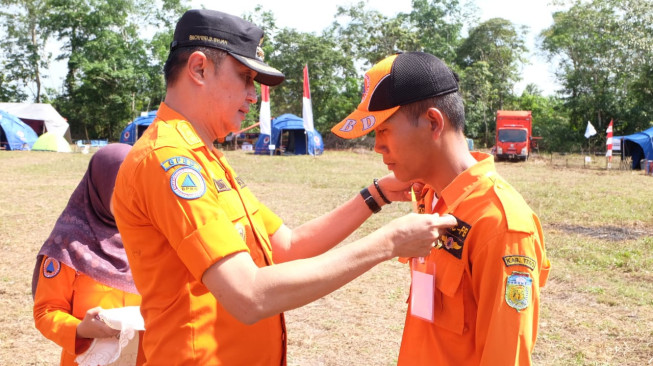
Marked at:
<point>220,185</point>
<point>51,267</point>
<point>519,286</point>
<point>241,182</point>
<point>180,161</point>
<point>453,239</point>
<point>520,260</point>
<point>187,183</point>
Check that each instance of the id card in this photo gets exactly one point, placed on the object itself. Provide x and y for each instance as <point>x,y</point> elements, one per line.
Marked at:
<point>422,289</point>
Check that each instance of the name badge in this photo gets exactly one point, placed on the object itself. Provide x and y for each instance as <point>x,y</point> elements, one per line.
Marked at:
<point>422,289</point>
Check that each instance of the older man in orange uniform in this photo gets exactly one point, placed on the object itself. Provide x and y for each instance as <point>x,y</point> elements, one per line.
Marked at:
<point>215,267</point>
<point>475,300</point>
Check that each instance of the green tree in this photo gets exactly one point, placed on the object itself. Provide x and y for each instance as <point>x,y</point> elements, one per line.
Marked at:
<point>477,92</point>
<point>603,49</point>
<point>501,45</point>
<point>23,46</point>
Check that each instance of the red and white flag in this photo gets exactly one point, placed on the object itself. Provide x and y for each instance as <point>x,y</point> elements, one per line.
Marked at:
<point>307,108</point>
<point>608,142</point>
<point>264,115</point>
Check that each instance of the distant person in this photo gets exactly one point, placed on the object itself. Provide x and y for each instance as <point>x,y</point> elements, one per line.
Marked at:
<point>82,267</point>
<point>476,299</point>
<point>215,266</point>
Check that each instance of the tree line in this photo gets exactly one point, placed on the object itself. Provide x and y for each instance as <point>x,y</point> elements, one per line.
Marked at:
<point>602,51</point>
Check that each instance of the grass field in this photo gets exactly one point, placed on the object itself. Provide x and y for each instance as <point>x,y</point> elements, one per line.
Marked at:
<point>597,308</point>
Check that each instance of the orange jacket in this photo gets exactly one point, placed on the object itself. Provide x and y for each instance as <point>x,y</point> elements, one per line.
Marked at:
<point>488,274</point>
<point>180,208</point>
<point>61,301</point>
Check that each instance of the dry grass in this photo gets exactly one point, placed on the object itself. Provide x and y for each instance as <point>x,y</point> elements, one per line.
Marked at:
<point>597,307</point>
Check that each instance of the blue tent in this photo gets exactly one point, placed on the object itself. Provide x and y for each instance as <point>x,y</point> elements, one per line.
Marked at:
<point>639,146</point>
<point>135,129</point>
<point>15,134</point>
<point>290,137</point>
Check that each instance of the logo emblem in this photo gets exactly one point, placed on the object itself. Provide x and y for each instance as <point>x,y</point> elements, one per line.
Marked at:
<point>518,290</point>
<point>187,183</point>
<point>453,239</point>
<point>51,267</point>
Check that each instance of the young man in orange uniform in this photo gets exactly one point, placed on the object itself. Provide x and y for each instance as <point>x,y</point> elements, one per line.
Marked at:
<point>215,267</point>
<point>474,300</point>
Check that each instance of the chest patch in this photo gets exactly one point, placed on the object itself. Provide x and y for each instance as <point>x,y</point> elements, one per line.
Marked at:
<point>519,286</point>
<point>187,183</point>
<point>453,239</point>
<point>51,267</point>
<point>221,185</point>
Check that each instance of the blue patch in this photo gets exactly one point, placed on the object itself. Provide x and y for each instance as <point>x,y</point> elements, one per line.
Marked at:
<point>187,183</point>
<point>180,161</point>
<point>51,267</point>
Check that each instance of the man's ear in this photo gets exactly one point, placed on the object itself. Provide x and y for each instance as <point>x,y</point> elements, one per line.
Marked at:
<point>436,119</point>
<point>196,66</point>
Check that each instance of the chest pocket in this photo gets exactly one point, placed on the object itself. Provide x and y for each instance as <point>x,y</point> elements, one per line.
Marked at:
<point>449,309</point>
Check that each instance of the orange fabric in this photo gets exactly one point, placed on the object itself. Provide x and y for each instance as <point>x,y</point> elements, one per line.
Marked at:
<point>474,323</point>
<point>61,301</point>
<point>180,208</point>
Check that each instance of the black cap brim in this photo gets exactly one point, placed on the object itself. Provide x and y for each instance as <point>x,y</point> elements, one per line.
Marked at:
<point>266,74</point>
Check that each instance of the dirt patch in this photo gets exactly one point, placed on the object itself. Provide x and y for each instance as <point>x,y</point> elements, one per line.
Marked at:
<point>606,232</point>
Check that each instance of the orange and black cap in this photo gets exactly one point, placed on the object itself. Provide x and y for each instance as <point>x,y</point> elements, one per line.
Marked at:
<point>240,38</point>
<point>397,80</point>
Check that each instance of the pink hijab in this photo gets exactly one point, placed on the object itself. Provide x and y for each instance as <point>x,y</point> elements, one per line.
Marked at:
<point>85,236</point>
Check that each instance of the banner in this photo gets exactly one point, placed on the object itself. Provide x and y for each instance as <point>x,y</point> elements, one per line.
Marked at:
<point>608,142</point>
<point>307,108</point>
<point>264,115</point>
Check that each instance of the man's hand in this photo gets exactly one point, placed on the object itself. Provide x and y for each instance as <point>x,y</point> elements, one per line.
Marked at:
<point>92,327</point>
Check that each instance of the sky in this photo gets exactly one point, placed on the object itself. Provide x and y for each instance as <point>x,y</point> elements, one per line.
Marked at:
<point>536,14</point>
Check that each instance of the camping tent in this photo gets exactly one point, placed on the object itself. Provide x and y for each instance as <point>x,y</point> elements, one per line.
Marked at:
<point>51,142</point>
<point>290,137</point>
<point>135,129</point>
<point>41,117</point>
<point>639,146</point>
<point>14,134</point>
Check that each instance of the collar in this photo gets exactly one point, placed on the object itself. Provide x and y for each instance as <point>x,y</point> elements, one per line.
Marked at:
<point>466,182</point>
<point>178,122</point>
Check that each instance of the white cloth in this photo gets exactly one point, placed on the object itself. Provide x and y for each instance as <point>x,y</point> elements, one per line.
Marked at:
<point>121,350</point>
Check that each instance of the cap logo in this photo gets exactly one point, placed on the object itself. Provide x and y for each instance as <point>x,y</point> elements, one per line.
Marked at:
<point>195,37</point>
<point>260,54</point>
<point>368,122</point>
<point>366,87</point>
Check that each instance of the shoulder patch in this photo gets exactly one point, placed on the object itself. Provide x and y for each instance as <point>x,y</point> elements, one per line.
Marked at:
<point>180,161</point>
<point>51,267</point>
<point>187,183</point>
<point>519,286</point>
<point>453,239</point>
<point>520,260</point>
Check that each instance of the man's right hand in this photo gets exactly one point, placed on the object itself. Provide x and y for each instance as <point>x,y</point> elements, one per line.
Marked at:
<point>415,235</point>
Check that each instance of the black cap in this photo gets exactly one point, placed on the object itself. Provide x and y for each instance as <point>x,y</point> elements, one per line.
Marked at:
<point>240,38</point>
<point>395,81</point>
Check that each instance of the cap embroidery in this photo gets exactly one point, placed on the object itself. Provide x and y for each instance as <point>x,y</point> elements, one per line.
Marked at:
<point>196,37</point>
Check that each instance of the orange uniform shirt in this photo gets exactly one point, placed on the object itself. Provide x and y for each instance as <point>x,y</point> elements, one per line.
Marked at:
<point>488,274</point>
<point>180,208</point>
<point>61,301</point>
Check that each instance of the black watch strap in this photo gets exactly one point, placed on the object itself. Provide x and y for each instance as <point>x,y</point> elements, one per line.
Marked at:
<point>370,201</point>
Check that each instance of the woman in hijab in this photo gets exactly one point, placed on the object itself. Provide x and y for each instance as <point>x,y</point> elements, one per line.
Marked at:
<point>82,267</point>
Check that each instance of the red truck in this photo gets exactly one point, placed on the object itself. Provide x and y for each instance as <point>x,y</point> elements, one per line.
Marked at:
<point>514,139</point>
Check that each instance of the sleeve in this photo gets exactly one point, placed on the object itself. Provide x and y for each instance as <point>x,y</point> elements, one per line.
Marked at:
<point>183,204</point>
<point>53,307</point>
<point>506,279</point>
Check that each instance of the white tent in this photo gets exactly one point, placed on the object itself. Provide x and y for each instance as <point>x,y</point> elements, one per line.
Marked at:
<point>41,117</point>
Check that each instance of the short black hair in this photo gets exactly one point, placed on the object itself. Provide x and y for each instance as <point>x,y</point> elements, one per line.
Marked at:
<point>178,57</point>
<point>449,104</point>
